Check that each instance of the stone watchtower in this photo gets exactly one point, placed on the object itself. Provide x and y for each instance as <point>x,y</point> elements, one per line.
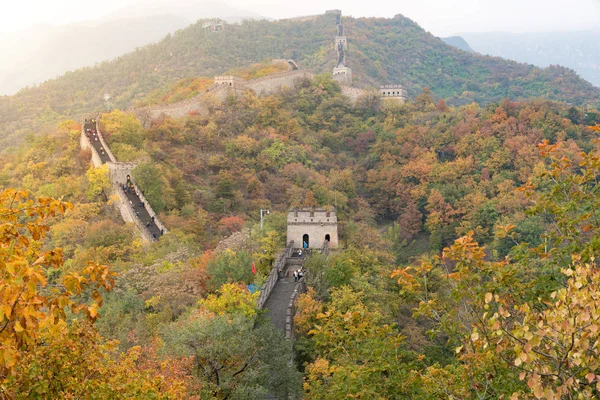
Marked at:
<point>231,81</point>
<point>311,227</point>
<point>393,92</point>
<point>342,75</point>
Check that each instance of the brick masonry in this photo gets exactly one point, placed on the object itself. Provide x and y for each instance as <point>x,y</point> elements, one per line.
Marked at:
<point>317,223</point>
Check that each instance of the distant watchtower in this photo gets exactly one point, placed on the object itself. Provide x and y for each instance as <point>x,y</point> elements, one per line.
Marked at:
<point>342,75</point>
<point>229,80</point>
<point>213,26</point>
<point>393,92</point>
<point>311,227</point>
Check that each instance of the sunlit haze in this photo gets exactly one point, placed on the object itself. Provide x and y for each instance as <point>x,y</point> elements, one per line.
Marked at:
<point>441,17</point>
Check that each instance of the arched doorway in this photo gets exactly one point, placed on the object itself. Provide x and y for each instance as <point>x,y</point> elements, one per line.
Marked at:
<point>305,242</point>
<point>327,238</point>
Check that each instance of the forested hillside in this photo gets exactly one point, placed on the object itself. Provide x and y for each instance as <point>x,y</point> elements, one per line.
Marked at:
<point>411,182</point>
<point>469,225</point>
<point>381,51</point>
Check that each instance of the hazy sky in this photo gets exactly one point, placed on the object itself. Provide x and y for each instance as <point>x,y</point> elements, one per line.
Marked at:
<point>441,17</point>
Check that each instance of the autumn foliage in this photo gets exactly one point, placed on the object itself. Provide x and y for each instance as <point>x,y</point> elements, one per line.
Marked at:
<point>42,352</point>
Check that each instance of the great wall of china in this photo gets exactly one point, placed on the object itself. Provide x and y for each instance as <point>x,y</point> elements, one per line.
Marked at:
<point>132,204</point>
<point>280,293</point>
<point>225,86</point>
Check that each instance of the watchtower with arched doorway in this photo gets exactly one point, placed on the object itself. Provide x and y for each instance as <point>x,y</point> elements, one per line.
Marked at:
<point>310,227</point>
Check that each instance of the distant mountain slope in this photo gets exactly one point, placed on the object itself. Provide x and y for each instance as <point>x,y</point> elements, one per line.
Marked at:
<point>380,51</point>
<point>45,52</point>
<point>458,42</point>
<point>392,50</point>
<point>577,50</point>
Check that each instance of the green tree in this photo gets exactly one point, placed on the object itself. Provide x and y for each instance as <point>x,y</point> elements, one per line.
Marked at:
<point>98,181</point>
<point>266,254</point>
<point>357,354</point>
<point>121,127</point>
<point>149,179</point>
<point>230,266</point>
<point>235,355</point>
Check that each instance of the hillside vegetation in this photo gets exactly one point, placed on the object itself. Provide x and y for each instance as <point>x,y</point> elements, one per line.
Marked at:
<point>469,232</point>
<point>411,182</point>
<point>381,51</point>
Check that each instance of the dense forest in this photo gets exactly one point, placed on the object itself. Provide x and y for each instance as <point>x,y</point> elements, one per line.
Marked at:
<point>467,265</point>
<point>381,51</point>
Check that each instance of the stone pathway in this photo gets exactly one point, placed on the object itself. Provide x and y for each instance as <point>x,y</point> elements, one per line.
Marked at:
<point>95,142</point>
<point>279,298</point>
<point>143,214</point>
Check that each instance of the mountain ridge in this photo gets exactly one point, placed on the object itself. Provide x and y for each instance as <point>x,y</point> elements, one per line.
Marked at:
<point>381,50</point>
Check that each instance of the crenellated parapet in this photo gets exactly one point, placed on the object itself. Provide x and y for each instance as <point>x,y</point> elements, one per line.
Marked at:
<point>312,227</point>
<point>353,93</point>
<point>129,214</point>
<point>197,104</point>
<point>393,92</point>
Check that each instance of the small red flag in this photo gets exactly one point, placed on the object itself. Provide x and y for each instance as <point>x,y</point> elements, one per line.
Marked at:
<point>253,268</point>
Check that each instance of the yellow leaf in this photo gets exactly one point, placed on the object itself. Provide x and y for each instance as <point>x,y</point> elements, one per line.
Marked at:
<point>10,268</point>
<point>18,327</point>
<point>10,359</point>
<point>488,297</point>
